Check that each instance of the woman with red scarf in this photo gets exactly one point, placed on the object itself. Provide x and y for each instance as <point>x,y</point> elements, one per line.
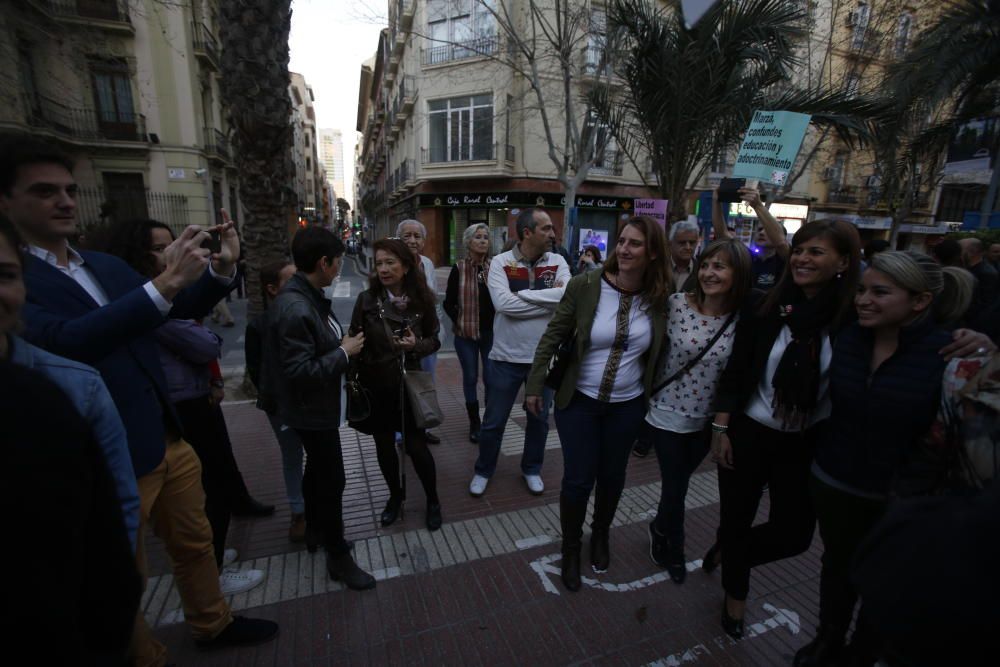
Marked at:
<point>467,302</point>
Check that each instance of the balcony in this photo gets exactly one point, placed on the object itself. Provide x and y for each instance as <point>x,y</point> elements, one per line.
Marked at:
<point>485,154</point>
<point>844,196</point>
<point>206,46</point>
<point>398,42</point>
<point>407,173</point>
<point>88,125</point>
<point>110,14</point>
<point>407,95</point>
<point>610,164</point>
<point>405,10</point>
<point>447,53</point>
<point>216,145</point>
<point>93,205</point>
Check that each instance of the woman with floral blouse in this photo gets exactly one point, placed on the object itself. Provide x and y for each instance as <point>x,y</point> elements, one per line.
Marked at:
<point>700,328</point>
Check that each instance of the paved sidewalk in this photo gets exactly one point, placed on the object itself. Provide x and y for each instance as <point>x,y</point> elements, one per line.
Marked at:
<point>485,589</point>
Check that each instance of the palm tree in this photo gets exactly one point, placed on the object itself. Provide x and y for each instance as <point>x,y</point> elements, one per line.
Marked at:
<point>693,92</point>
<point>951,72</point>
<point>254,82</point>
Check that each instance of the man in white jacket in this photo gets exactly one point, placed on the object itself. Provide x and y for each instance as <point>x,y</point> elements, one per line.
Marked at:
<point>526,283</point>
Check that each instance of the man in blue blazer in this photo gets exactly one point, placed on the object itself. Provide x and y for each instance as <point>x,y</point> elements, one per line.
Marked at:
<point>95,309</point>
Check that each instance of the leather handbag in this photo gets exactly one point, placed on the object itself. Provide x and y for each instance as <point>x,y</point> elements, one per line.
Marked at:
<point>359,402</point>
<point>423,399</point>
<point>559,362</point>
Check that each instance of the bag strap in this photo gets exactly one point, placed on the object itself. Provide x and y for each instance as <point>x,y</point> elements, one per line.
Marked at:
<point>691,364</point>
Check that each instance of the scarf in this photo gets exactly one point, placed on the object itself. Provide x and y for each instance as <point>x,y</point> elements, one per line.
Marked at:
<point>796,380</point>
<point>470,277</point>
<point>399,302</point>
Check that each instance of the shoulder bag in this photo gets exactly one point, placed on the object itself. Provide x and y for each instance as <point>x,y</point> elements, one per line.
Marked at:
<point>691,364</point>
<point>559,362</point>
<point>420,390</point>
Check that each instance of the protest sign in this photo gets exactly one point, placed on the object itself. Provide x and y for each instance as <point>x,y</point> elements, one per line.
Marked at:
<point>771,143</point>
<point>654,208</point>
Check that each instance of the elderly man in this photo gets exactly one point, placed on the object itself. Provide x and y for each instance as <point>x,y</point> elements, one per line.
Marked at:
<point>414,235</point>
<point>973,256</point>
<point>685,237</point>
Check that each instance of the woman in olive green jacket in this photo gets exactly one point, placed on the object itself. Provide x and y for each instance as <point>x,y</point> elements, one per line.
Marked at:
<point>618,317</point>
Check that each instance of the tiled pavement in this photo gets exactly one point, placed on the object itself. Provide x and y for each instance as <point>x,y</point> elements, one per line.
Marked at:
<point>485,589</point>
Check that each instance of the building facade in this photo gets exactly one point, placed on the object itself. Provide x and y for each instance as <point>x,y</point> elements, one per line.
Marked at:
<point>451,136</point>
<point>310,180</point>
<point>131,91</point>
<point>331,154</point>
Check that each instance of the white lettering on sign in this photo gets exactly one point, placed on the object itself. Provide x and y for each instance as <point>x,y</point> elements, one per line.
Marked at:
<point>497,200</point>
<point>472,200</point>
<point>453,201</point>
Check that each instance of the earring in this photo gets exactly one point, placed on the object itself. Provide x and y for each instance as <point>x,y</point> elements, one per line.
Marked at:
<point>839,276</point>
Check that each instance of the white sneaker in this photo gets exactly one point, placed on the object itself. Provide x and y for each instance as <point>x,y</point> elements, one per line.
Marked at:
<point>239,581</point>
<point>535,484</point>
<point>229,557</point>
<point>477,486</point>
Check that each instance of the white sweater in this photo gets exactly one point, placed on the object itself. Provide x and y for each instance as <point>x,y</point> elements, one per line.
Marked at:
<point>524,296</point>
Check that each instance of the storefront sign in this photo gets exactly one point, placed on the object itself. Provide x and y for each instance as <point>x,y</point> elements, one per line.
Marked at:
<point>654,208</point>
<point>771,143</point>
<point>780,211</point>
<point>520,199</point>
<point>941,228</point>
<point>859,221</point>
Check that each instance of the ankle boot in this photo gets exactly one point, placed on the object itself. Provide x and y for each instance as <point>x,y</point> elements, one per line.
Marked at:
<point>474,423</point>
<point>571,517</point>
<point>344,569</point>
<point>605,504</point>
<point>826,649</point>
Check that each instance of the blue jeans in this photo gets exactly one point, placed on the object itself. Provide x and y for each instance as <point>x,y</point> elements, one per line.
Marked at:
<point>429,363</point>
<point>505,381</point>
<point>469,352</point>
<point>596,439</point>
<point>679,455</point>
<point>291,462</point>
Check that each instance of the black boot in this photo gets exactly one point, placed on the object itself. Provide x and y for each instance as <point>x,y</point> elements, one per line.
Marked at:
<point>571,516</point>
<point>826,649</point>
<point>392,509</point>
<point>474,423</point>
<point>605,504</point>
<point>343,568</point>
<point>676,563</point>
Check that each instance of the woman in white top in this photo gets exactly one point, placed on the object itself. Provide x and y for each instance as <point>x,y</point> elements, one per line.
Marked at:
<point>700,330</point>
<point>617,318</point>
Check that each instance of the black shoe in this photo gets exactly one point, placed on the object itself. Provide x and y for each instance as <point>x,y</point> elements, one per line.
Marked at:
<point>252,508</point>
<point>571,568</point>
<point>391,511</point>
<point>732,626</point>
<point>313,537</point>
<point>343,568</point>
<point>600,550</point>
<point>676,564</point>
<point>431,438</point>
<point>433,516</point>
<point>712,558</point>
<point>641,448</point>
<point>242,631</point>
<point>657,546</point>
<point>474,423</point>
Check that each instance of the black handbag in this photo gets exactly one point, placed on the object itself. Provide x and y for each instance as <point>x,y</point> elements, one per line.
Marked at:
<point>359,402</point>
<point>559,362</point>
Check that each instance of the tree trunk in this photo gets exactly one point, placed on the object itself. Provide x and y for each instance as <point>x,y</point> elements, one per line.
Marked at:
<point>569,219</point>
<point>254,83</point>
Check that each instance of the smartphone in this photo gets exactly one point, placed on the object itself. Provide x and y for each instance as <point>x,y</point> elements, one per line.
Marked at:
<point>729,189</point>
<point>404,326</point>
<point>213,242</point>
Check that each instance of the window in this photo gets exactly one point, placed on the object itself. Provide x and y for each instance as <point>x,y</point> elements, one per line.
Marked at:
<point>597,139</point>
<point>461,128</point>
<point>459,29</point>
<point>903,28</point>
<point>719,164</point>
<point>116,117</point>
<point>596,43</point>
<point>861,17</point>
<point>27,74</point>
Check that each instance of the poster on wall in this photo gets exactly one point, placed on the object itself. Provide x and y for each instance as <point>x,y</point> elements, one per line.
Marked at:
<point>595,237</point>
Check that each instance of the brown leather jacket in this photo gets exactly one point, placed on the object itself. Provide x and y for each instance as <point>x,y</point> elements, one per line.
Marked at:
<point>377,318</point>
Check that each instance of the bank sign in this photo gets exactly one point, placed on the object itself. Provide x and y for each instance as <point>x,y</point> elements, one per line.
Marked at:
<point>520,199</point>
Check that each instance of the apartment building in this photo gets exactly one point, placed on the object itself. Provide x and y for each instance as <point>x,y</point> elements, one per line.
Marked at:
<point>131,91</point>
<point>453,137</point>
<point>310,179</point>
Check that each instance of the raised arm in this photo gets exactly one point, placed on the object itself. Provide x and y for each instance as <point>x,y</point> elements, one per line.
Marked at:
<point>772,228</point>
<point>718,220</point>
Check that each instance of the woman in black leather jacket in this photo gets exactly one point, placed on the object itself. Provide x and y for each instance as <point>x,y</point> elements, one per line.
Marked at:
<point>397,319</point>
<point>306,354</point>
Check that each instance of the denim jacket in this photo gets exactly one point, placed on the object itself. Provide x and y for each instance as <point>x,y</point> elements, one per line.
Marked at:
<point>85,389</point>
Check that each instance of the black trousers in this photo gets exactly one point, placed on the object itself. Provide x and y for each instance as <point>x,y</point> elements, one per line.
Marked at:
<point>205,430</point>
<point>844,522</point>
<point>780,460</point>
<point>323,486</point>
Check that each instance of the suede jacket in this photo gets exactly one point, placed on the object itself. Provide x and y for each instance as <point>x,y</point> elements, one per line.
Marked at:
<point>576,311</point>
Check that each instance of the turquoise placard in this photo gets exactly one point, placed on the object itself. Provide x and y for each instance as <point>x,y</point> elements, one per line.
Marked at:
<point>770,145</point>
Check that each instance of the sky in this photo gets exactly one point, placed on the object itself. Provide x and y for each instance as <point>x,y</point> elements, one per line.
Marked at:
<point>329,41</point>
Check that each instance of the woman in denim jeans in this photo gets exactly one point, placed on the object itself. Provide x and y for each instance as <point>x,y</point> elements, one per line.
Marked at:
<point>467,302</point>
<point>680,411</point>
<point>618,318</point>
